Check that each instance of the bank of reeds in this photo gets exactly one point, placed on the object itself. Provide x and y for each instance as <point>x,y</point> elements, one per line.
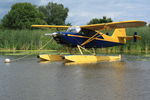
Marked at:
<point>35,39</point>
<point>140,46</point>
<point>26,40</point>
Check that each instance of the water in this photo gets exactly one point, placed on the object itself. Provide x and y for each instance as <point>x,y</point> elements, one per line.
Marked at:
<point>29,79</point>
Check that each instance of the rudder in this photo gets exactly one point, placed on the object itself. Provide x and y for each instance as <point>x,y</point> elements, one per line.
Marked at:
<point>118,33</point>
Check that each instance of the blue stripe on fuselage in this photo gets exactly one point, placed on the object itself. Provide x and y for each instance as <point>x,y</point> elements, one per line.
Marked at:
<point>74,41</point>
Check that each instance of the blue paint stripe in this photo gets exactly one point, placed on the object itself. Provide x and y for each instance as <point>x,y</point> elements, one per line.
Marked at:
<point>74,41</point>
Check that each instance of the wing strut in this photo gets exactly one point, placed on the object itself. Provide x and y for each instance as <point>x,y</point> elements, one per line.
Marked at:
<point>79,47</point>
<point>87,41</point>
<point>90,39</point>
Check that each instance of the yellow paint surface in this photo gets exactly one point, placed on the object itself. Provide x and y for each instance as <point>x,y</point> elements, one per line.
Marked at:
<point>47,57</point>
<point>91,58</point>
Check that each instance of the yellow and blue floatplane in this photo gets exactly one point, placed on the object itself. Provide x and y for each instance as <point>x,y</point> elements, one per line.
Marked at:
<point>89,36</point>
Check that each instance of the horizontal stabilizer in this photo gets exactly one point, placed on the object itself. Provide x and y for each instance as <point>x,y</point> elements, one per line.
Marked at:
<point>131,37</point>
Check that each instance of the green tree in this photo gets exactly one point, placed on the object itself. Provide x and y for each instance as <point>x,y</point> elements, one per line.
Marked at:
<point>0,24</point>
<point>103,20</point>
<point>55,14</point>
<point>22,16</point>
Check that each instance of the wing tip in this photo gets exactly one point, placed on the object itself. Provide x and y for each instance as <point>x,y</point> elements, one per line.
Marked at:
<point>50,26</point>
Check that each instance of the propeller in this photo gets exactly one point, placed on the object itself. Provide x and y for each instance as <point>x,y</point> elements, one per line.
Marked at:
<point>52,34</point>
<point>56,36</point>
<point>135,37</point>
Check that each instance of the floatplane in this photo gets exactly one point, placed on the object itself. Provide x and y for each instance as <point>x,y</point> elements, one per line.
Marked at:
<point>90,36</point>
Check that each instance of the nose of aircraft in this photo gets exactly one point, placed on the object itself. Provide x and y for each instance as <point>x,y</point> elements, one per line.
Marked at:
<point>52,34</point>
<point>56,36</point>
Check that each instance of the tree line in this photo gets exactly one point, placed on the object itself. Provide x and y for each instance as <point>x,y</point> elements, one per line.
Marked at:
<point>23,15</point>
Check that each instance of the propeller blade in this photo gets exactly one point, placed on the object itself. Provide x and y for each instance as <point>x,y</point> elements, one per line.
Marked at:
<point>134,37</point>
<point>51,34</point>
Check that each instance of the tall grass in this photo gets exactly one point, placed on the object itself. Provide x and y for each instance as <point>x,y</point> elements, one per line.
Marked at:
<point>26,40</point>
<point>35,39</point>
<point>141,45</point>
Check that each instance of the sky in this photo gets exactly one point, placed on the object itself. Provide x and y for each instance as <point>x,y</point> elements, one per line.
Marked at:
<point>82,11</point>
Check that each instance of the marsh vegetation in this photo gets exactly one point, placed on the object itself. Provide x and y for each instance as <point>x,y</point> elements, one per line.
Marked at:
<point>35,40</point>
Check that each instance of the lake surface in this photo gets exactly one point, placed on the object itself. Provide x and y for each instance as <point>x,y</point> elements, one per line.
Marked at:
<point>29,79</point>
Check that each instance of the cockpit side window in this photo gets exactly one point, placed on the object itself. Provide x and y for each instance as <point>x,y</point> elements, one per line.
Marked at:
<point>74,29</point>
<point>89,33</point>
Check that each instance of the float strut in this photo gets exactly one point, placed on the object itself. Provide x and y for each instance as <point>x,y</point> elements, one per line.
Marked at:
<point>80,49</point>
<point>94,51</point>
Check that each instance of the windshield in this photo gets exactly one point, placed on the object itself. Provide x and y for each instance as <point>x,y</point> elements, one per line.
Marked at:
<point>74,29</point>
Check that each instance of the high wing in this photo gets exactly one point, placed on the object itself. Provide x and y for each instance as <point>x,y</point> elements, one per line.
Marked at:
<point>51,26</point>
<point>113,25</point>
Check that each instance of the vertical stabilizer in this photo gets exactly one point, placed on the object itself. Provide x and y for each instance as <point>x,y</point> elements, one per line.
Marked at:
<point>118,35</point>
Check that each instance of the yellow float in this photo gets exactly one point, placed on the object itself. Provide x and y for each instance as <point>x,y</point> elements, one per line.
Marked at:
<point>79,58</point>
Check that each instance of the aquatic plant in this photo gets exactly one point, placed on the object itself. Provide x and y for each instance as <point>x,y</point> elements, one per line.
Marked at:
<point>35,39</point>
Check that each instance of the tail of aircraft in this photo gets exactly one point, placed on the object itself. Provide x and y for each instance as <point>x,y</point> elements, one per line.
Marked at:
<point>119,32</point>
<point>120,36</point>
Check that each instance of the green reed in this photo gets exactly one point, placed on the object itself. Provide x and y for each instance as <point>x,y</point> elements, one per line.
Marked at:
<point>26,40</point>
<point>35,40</point>
<point>141,45</point>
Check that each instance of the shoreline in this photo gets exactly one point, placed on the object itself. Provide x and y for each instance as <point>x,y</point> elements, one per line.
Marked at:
<point>35,52</point>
